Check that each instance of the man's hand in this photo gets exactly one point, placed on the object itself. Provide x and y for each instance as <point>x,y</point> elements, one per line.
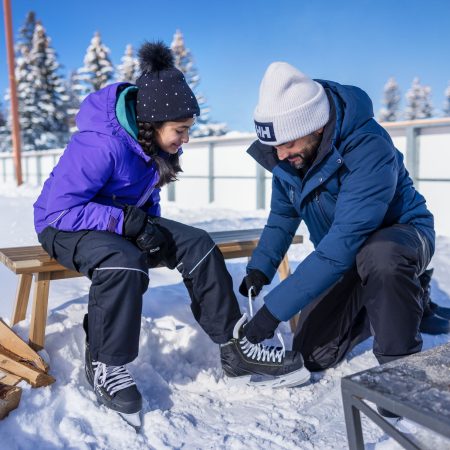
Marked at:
<point>261,326</point>
<point>255,279</point>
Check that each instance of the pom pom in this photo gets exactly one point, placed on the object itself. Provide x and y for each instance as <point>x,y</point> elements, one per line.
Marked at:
<point>155,56</point>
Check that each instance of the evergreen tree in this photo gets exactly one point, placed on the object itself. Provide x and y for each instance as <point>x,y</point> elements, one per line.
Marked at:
<point>185,63</point>
<point>391,100</point>
<point>129,69</point>
<point>24,85</point>
<point>5,135</point>
<point>26,32</point>
<point>47,94</point>
<point>447,101</point>
<point>25,96</point>
<point>418,100</point>
<point>98,70</point>
<point>2,116</point>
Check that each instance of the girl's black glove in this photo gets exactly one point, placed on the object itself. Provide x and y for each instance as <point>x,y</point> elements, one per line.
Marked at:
<point>139,227</point>
<point>261,326</point>
<point>255,279</point>
<point>151,240</point>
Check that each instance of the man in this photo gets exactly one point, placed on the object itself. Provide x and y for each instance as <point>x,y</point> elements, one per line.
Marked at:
<point>337,169</point>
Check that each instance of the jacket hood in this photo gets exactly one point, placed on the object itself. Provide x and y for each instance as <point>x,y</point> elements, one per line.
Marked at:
<point>98,110</point>
<point>98,114</point>
<point>353,107</point>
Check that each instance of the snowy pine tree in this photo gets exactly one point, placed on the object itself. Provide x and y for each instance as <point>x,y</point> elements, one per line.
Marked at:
<point>40,90</point>
<point>26,32</point>
<point>418,101</point>
<point>2,116</point>
<point>98,70</point>
<point>391,100</point>
<point>185,63</point>
<point>25,96</point>
<point>447,101</point>
<point>5,134</point>
<point>47,94</point>
<point>129,69</point>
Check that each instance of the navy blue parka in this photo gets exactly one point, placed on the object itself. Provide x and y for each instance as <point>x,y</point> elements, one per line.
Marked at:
<point>357,184</point>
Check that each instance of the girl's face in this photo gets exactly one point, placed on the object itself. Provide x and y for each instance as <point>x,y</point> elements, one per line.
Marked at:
<point>172,135</point>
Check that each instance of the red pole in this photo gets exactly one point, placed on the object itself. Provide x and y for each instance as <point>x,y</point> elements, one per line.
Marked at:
<point>13,92</point>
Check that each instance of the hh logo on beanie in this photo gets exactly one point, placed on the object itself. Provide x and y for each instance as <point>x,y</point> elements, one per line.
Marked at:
<point>265,132</point>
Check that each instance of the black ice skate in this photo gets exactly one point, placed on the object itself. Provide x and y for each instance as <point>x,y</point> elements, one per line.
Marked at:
<point>260,365</point>
<point>115,388</point>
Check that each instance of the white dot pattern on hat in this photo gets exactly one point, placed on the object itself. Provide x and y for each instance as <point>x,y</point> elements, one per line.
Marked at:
<point>169,99</point>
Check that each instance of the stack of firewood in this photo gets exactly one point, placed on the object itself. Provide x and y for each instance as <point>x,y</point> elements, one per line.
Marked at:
<point>18,362</point>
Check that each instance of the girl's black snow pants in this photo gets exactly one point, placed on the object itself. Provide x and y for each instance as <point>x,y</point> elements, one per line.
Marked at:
<point>119,274</point>
<point>380,296</point>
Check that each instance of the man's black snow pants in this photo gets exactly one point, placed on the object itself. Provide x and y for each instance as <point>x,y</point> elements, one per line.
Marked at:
<point>380,296</point>
<point>119,273</point>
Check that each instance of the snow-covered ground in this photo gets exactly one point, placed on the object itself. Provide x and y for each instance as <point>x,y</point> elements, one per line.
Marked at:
<point>187,404</point>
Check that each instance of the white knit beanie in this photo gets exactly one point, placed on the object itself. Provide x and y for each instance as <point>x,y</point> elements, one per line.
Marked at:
<point>290,106</point>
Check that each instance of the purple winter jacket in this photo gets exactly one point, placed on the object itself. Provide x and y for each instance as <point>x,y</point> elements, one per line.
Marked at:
<point>100,162</point>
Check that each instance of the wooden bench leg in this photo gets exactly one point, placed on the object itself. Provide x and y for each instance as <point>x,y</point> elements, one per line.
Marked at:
<point>284,271</point>
<point>22,298</point>
<point>39,312</point>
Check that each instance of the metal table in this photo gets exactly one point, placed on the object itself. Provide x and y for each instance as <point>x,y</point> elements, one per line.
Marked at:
<point>416,387</point>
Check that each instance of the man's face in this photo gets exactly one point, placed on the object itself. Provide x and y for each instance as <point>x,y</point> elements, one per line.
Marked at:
<point>301,152</point>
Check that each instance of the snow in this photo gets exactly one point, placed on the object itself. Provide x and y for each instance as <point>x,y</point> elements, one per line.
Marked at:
<point>187,403</point>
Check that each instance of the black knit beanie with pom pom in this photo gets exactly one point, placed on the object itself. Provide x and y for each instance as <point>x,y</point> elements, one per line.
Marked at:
<point>163,91</point>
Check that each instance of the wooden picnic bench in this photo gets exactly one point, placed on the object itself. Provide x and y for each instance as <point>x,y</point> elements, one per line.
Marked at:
<point>34,261</point>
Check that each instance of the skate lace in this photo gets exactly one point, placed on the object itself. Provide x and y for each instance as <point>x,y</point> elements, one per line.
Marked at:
<point>111,378</point>
<point>262,352</point>
<point>259,351</point>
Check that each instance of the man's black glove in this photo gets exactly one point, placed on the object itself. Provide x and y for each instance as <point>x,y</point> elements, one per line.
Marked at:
<point>261,326</point>
<point>138,226</point>
<point>255,279</point>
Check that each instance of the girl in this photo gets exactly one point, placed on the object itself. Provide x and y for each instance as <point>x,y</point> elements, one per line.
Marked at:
<point>99,214</point>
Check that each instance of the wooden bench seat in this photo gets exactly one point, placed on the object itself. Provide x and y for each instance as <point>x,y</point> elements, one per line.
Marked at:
<point>33,261</point>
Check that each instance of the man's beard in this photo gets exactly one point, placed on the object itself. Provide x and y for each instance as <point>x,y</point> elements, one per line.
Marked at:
<point>309,153</point>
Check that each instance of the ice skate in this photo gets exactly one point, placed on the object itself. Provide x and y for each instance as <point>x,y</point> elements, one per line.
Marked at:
<point>115,388</point>
<point>250,364</point>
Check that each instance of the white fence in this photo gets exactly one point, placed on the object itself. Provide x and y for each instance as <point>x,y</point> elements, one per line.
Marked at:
<point>219,171</point>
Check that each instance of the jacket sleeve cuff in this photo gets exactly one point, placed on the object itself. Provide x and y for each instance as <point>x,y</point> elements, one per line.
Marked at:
<point>115,223</point>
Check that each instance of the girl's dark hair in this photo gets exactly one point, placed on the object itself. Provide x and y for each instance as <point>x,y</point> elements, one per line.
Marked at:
<point>167,167</point>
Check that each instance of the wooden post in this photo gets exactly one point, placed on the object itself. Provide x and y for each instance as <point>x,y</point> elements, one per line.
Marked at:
<point>13,92</point>
<point>39,312</point>
<point>22,297</point>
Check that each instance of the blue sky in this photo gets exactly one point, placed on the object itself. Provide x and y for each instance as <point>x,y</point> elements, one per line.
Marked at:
<point>361,42</point>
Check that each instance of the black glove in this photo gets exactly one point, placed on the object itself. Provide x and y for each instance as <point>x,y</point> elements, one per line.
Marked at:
<point>141,228</point>
<point>134,221</point>
<point>261,326</point>
<point>152,239</point>
<point>255,279</point>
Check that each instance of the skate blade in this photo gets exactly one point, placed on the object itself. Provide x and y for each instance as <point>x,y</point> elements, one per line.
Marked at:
<point>133,419</point>
<point>292,379</point>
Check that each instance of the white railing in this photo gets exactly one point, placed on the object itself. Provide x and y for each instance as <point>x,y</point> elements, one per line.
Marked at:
<point>218,170</point>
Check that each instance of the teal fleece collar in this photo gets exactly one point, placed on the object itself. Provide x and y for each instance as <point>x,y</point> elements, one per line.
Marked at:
<point>126,110</point>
